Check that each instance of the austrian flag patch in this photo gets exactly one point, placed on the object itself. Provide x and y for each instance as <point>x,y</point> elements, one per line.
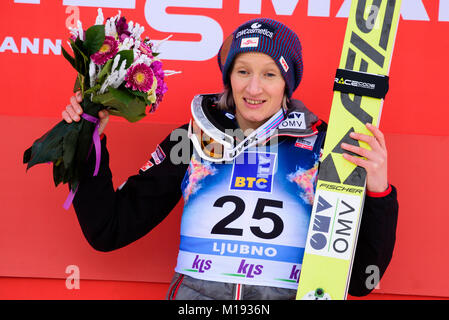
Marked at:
<point>158,155</point>
<point>147,166</point>
<point>284,64</point>
<point>249,42</point>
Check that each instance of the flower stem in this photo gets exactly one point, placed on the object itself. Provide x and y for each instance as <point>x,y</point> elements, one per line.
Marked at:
<point>81,83</point>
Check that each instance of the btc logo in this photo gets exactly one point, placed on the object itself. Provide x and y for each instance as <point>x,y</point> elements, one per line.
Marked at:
<point>250,182</point>
<point>253,171</point>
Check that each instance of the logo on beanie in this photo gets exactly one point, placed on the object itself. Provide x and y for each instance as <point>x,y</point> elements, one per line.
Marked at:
<point>284,64</point>
<point>255,29</point>
<point>249,42</point>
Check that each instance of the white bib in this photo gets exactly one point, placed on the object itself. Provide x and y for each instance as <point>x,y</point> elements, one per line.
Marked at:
<point>247,221</point>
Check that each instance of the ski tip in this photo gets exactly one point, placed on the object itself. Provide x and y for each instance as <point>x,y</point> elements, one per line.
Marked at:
<point>317,294</point>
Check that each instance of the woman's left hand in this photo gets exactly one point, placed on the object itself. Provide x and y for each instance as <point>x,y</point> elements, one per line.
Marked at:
<point>375,163</point>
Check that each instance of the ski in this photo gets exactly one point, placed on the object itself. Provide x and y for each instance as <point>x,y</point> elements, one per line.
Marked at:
<point>360,86</point>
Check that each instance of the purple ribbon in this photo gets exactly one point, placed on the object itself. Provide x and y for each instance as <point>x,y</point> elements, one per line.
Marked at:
<point>97,145</point>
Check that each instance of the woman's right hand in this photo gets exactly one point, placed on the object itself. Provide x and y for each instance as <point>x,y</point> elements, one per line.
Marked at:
<point>73,112</point>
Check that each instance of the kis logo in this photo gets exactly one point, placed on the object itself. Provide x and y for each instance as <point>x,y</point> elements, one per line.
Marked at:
<point>201,264</point>
<point>249,270</point>
<point>294,274</point>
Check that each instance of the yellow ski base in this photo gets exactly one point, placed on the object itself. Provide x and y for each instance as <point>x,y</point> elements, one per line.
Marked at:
<point>338,202</point>
<point>327,268</point>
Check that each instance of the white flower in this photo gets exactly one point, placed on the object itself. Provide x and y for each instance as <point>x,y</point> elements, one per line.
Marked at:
<point>135,30</point>
<point>136,48</point>
<point>143,59</point>
<point>116,78</point>
<point>100,17</point>
<point>104,86</point>
<point>117,17</point>
<point>92,73</point>
<point>126,44</point>
<point>109,28</point>
<point>79,30</point>
<point>115,63</point>
<point>73,32</point>
<point>171,72</point>
<point>156,46</point>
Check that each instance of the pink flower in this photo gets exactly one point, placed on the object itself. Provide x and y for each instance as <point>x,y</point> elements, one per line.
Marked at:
<point>107,51</point>
<point>122,27</point>
<point>146,49</point>
<point>139,77</point>
<point>161,85</point>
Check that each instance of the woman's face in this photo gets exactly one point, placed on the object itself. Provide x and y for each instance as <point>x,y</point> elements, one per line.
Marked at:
<point>257,88</point>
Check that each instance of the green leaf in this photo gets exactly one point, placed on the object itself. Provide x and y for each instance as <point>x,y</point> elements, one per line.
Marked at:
<point>85,133</point>
<point>123,104</point>
<point>58,173</point>
<point>27,155</point>
<point>94,89</point>
<point>76,86</point>
<point>105,70</point>
<point>95,36</point>
<point>133,112</point>
<point>68,57</point>
<point>74,183</point>
<point>66,145</point>
<point>91,107</point>
<point>69,144</point>
<point>47,148</point>
<point>142,95</point>
<point>127,55</point>
<point>108,100</point>
<point>121,95</point>
<point>81,60</point>
<point>80,45</point>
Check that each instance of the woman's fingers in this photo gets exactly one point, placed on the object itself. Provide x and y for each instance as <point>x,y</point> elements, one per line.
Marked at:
<point>357,150</point>
<point>66,116</point>
<point>378,135</point>
<point>78,96</point>
<point>374,159</point>
<point>74,115</point>
<point>75,104</point>
<point>103,115</point>
<point>364,163</point>
<point>69,114</point>
<point>376,141</point>
<point>74,110</point>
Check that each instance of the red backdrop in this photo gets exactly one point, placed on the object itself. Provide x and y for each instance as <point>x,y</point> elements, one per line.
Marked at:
<point>39,239</point>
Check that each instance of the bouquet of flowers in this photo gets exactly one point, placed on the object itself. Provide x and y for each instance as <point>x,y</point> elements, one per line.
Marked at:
<point>118,71</point>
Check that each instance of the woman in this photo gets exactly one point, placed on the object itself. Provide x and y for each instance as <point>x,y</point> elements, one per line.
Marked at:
<point>247,185</point>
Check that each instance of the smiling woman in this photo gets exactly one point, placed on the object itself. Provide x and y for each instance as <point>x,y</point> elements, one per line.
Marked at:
<point>258,89</point>
<point>247,198</point>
